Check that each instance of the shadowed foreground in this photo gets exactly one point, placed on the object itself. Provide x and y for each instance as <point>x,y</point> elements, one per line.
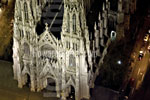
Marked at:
<point>9,89</point>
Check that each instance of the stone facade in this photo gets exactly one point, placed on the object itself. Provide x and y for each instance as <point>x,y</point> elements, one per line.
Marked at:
<point>71,60</point>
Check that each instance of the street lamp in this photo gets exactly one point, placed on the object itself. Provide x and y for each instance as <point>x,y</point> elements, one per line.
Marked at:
<point>119,62</point>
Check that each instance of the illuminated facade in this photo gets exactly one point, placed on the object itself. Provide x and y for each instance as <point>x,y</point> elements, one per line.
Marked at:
<point>52,44</point>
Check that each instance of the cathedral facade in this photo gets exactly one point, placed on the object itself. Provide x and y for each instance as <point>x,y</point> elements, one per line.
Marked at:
<point>53,45</point>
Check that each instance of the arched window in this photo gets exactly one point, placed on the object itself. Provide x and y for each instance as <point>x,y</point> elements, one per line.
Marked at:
<point>74,23</point>
<point>26,49</point>
<point>68,23</point>
<point>31,7</point>
<point>28,35</point>
<point>20,33</point>
<point>68,45</point>
<point>26,11</point>
<point>19,11</point>
<point>72,61</point>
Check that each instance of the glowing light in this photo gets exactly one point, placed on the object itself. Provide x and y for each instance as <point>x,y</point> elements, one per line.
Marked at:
<point>0,10</point>
<point>119,62</point>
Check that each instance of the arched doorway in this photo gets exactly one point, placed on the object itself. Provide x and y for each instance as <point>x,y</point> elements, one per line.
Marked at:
<point>51,85</point>
<point>71,95</point>
<point>28,80</point>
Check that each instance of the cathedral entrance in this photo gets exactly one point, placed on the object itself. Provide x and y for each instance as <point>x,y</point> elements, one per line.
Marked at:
<point>28,80</point>
<point>50,89</point>
<point>51,85</point>
<point>71,94</point>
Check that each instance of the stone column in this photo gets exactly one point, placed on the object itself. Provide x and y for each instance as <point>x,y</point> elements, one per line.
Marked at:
<point>19,76</point>
<point>77,84</point>
<point>58,87</point>
<point>63,94</point>
<point>77,92</point>
<point>15,70</point>
<point>101,33</point>
<point>104,15</point>
<point>15,58</point>
<point>32,76</point>
<point>32,83</point>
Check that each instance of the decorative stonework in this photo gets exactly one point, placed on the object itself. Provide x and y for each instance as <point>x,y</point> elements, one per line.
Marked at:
<point>69,61</point>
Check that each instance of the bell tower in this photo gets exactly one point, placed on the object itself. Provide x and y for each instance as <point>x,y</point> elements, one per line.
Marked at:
<point>75,39</point>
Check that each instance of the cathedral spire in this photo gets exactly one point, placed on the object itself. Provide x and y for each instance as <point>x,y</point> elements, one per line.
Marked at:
<point>120,6</point>
<point>95,27</point>
<point>74,17</point>
<point>103,6</point>
<point>99,17</point>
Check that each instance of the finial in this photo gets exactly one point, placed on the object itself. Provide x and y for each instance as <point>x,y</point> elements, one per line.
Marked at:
<point>99,17</point>
<point>46,26</point>
<point>95,27</point>
<point>103,6</point>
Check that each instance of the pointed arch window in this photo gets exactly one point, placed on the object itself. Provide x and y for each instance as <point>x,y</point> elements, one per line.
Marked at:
<point>26,11</point>
<point>28,35</point>
<point>72,61</point>
<point>68,45</point>
<point>20,33</point>
<point>74,22</point>
<point>68,23</point>
<point>19,10</point>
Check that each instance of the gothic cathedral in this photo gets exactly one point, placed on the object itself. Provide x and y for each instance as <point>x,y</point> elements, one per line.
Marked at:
<point>53,45</point>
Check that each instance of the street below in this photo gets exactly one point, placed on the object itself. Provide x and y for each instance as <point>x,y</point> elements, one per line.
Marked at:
<point>139,67</point>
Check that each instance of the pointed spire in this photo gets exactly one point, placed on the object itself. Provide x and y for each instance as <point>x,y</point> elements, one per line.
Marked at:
<point>103,6</point>
<point>95,27</point>
<point>99,17</point>
<point>120,5</point>
<point>46,26</point>
<point>107,4</point>
<point>120,0</point>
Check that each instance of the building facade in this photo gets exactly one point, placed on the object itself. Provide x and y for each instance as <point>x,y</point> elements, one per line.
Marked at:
<point>53,45</point>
